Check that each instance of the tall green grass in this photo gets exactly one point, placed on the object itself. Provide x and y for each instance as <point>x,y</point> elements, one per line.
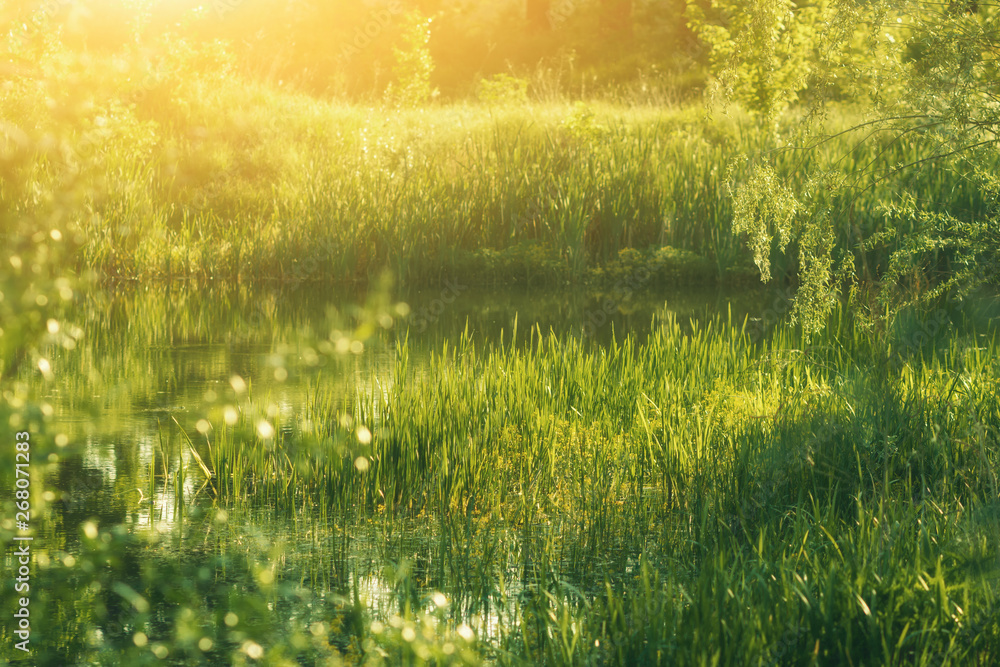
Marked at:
<point>195,175</point>
<point>706,497</point>
<point>709,495</point>
<point>701,498</point>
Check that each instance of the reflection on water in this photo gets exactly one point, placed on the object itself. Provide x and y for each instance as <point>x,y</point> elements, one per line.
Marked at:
<point>159,367</point>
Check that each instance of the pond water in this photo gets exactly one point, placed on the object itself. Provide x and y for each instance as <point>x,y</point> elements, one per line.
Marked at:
<point>154,365</point>
<point>151,355</point>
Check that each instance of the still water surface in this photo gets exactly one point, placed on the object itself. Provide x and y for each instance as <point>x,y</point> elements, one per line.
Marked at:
<point>154,356</point>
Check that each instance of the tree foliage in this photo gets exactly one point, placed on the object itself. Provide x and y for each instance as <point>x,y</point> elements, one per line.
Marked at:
<point>761,53</point>
<point>413,63</point>
<point>925,75</point>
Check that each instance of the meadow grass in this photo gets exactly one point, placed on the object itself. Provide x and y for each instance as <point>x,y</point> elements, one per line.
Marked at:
<point>209,177</point>
<point>702,498</point>
<point>709,496</point>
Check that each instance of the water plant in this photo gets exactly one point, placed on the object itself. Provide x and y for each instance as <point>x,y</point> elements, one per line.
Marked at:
<point>700,496</point>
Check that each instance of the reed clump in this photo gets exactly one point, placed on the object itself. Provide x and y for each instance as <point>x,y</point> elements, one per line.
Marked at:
<point>186,171</point>
<point>706,495</point>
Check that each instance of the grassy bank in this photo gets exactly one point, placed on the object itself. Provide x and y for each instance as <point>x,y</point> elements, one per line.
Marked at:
<point>183,171</point>
<point>703,498</point>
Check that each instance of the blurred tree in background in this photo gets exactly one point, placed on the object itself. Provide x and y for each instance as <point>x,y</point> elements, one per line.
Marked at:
<point>345,48</point>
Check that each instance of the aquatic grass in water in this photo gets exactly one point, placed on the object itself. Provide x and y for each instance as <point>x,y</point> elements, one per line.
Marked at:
<point>706,494</point>
<point>698,495</point>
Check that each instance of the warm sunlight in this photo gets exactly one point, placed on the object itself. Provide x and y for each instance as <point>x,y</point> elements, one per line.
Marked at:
<point>513,332</point>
